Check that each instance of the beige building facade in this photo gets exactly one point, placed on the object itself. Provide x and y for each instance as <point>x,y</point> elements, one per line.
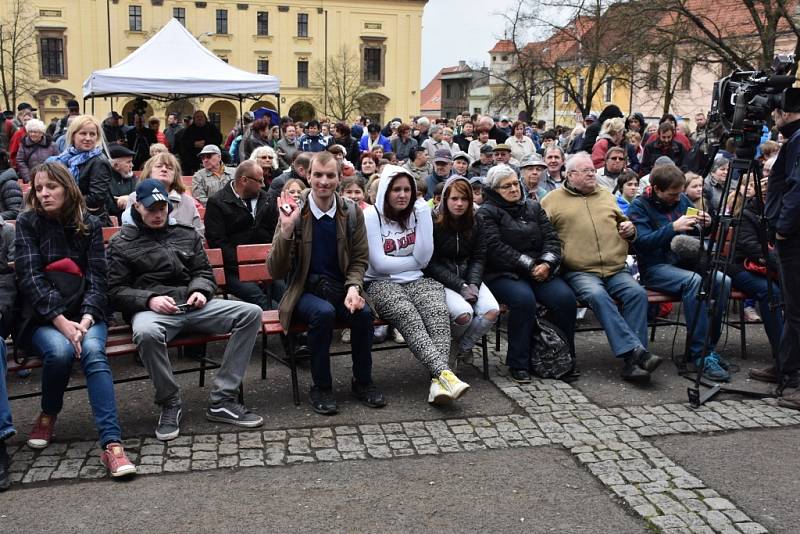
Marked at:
<point>284,38</point>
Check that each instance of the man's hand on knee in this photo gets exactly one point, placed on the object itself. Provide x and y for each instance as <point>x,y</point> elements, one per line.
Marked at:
<point>163,304</point>
<point>196,300</point>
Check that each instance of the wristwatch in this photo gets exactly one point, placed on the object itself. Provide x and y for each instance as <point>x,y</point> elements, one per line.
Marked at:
<point>88,316</point>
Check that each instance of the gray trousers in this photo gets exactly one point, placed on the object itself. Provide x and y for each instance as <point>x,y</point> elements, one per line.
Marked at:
<point>152,331</point>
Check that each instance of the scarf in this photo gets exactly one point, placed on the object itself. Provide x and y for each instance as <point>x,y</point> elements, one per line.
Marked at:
<point>72,158</point>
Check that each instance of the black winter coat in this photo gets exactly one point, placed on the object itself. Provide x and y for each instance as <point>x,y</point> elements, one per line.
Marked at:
<point>190,160</point>
<point>10,195</point>
<point>458,257</point>
<point>353,152</point>
<point>229,224</point>
<point>95,185</point>
<point>676,152</point>
<point>748,242</point>
<point>145,263</point>
<point>518,236</point>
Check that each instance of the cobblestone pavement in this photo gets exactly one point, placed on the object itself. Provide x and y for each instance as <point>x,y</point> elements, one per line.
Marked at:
<point>612,443</point>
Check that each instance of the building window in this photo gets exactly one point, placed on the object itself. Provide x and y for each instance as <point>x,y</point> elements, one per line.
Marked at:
<point>262,23</point>
<point>565,96</point>
<point>302,74</point>
<point>372,64</point>
<point>179,14</point>
<point>608,93</point>
<point>52,56</point>
<point>652,76</point>
<point>302,24</point>
<point>135,18</point>
<point>262,66</point>
<point>222,21</point>
<point>686,76</point>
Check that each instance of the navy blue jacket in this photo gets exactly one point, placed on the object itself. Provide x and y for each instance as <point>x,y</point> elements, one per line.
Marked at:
<point>654,231</point>
<point>783,190</point>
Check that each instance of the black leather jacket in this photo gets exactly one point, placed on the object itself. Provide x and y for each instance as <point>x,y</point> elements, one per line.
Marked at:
<point>146,263</point>
<point>518,236</point>
<point>458,257</point>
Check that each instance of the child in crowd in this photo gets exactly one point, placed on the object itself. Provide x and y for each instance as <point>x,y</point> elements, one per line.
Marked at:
<point>354,188</point>
<point>694,190</point>
<point>626,189</point>
<point>437,195</point>
<point>477,190</point>
<point>295,187</point>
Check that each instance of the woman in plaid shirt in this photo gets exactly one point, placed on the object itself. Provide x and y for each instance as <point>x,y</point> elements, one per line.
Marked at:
<point>61,271</point>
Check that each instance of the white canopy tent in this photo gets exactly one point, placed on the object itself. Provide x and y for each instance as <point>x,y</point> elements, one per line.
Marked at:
<point>173,65</point>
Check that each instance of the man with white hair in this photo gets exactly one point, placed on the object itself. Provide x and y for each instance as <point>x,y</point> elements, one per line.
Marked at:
<point>435,142</point>
<point>422,125</point>
<point>212,177</point>
<point>593,263</point>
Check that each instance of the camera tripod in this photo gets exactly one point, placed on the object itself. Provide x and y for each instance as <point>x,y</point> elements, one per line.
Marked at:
<point>716,260</point>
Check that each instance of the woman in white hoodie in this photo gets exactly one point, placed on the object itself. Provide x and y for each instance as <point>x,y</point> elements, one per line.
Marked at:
<point>400,234</point>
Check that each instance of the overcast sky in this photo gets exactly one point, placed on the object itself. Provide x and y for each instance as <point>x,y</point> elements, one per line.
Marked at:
<point>454,30</point>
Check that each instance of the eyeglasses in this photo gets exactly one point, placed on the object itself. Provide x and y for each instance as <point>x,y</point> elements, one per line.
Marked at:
<point>616,159</point>
<point>510,185</point>
<point>257,180</point>
<point>585,172</point>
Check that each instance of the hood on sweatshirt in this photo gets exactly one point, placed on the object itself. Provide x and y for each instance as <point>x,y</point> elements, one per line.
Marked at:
<point>390,172</point>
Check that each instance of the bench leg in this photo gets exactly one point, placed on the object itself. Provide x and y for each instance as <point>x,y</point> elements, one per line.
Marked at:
<point>263,355</point>
<point>742,334</point>
<point>485,355</point>
<point>203,366</point>
<point>293,369</point>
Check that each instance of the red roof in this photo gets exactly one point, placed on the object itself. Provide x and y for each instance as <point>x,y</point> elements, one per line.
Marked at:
<point>502,46</point>
<point>431,95</point>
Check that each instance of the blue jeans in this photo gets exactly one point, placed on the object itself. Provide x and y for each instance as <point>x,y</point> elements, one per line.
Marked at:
<point>670,279</point>
<point>58,357</point>
<point>755,287</point>
<point>6,426</point>
<point>626,331</point>
<point>320,316</point>
<point>521,296</point>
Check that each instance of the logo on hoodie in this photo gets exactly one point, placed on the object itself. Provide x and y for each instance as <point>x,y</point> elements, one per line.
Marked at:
<point>399,243</point>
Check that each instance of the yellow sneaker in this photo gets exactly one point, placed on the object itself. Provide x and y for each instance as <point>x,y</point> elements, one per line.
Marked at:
<point>451,383</point>
<point>437,394</point>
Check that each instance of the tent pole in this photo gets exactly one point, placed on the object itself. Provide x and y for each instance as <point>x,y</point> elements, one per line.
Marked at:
<point>241,115</point>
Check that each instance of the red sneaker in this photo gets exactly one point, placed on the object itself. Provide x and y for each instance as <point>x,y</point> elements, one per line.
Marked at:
<point>42,432</point>
<point>114,459</point>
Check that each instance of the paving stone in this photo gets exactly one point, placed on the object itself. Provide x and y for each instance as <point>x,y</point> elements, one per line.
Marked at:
<point>667,521</point>
<point>204,447</point>
<point>328,455</point>
<point>149,469</point>
<point>274,435</point>
<point>403,452</point>
<point>299,446</point>
<point>206,438</point>
<point>231,461</point>
<point>473,446</point>
<point>69,468</point>
<point>379,451</point>
<point>646,510</point>
<point>320,433</point>
<point>93,471</point>
<point>695,505</point>
<point>718,503</point>
<point>45,461</point>
<point>37,474</point>
<point>751,528</point>
<point>275,458</point>
<point>370,429</point>
<point>688,482</point>
<point>149,450</point>
<point>228,448</point>
<point>299,432</point>
<point>54,449</point>
<point>625,489</point>
<point>349,443</point>
<point>737,516</point>
<point>203,465</point>
<point>151,460</point>
<point>228,438</point>
<point>322,443</point>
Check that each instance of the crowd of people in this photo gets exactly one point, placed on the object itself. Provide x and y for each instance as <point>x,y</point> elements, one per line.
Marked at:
<point>431,226</point>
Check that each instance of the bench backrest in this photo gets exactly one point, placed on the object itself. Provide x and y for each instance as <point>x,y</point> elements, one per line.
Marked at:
<point>215,259</point>
<point>252,260</point>
<point>109,232</point>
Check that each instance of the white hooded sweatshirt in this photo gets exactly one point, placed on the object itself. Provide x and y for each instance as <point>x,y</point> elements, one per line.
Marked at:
<point>396,253</point>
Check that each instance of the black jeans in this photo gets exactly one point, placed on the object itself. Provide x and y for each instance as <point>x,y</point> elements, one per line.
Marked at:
<point>789,261</point>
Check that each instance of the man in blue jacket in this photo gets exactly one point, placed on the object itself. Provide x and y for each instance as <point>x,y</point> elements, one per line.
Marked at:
<point>783,213</point>
<point>659,216</point>
<point>374,138</point>
<point>313,141</point>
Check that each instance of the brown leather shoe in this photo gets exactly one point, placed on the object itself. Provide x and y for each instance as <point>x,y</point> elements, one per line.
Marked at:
<point>765,374</point>
<point>790,401</point>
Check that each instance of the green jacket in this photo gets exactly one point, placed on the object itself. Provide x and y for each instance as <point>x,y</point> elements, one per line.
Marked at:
<point>587,226</point>
<point>291,258</point>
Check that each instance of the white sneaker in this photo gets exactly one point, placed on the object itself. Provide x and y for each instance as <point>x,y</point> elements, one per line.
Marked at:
<point>451,383</point>
<point>437,394</point>
<point>346,335</point>
<point>750,315</point>
<point>397,337</point>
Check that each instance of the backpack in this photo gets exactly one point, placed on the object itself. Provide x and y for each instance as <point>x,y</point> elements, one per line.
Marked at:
<point>550,354</point>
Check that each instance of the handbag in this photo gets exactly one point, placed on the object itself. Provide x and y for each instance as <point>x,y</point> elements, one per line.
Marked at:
<point>326,288</point>
<point>758,268</point>
<point>550,355</point>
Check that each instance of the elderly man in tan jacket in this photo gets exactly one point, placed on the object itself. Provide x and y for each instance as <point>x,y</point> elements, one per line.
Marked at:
<point>594,235</point>
<point>321,246</point>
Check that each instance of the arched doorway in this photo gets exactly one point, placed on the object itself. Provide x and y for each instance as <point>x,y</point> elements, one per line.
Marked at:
<point>373,105</point>
<point>182,107</point>
<point>264,104</point>
<point>52,103</point>
<point>223,115</point>
<point>130,107</point>
<point>302,111</point>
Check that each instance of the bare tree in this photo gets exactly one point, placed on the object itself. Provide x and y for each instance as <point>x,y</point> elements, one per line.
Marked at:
<point>523,84</point>
<point>18,53</point>
<point>340,85</point>
<point>595,45</point>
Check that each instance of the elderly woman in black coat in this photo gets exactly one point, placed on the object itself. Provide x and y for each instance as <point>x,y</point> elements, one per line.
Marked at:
<point>459,257</point>
<point>523,254</point>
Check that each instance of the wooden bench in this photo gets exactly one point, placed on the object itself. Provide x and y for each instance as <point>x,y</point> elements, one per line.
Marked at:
<point>120,343</point>
<point>252,267</point>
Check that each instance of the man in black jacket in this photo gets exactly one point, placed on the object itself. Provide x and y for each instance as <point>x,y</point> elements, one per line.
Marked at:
<point>236,215</point>
<point>193,139</point>
<point>665,145</point>
<point>139,138</point>
<point>161,281</point>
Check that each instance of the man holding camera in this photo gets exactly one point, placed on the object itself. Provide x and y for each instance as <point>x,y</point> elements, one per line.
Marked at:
<point>161,281</point>
<point>783,213</point>
<point>322,249</point>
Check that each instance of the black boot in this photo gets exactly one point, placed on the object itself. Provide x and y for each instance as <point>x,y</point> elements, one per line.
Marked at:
<point>632,372</point>
<point>647,360</point>
<point>5,462</point>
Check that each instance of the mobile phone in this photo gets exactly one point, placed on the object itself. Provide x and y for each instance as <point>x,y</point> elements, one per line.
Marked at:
<point>286,209</point>
<point>692,212</point>
<point>184,307</point>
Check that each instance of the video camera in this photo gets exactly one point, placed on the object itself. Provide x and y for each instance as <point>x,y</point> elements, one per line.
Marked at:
<point>742,103</point>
